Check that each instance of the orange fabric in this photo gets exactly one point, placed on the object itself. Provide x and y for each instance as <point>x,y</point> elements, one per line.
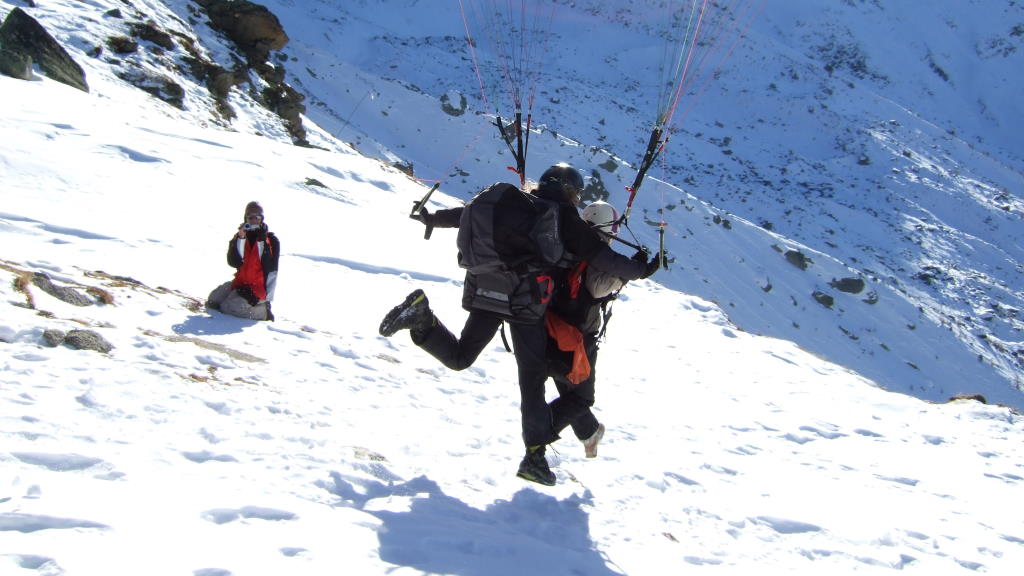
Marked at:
<point>251,271</point>
<point>569,339</point>
<point>576,279</point>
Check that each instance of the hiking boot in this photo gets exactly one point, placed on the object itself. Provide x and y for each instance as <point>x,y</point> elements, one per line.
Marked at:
<point>534,467</point>
<point>590,444</point>
<point>413,314</point>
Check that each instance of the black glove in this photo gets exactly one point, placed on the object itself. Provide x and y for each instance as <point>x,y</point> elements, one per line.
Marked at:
<point>652,265</point>
<point>640,256</point>
<point>245,291</point>
<point>423,216</point>
<point>428,220</point>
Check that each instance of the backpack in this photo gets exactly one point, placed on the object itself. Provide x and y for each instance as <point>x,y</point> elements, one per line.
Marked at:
<point>510,244</point>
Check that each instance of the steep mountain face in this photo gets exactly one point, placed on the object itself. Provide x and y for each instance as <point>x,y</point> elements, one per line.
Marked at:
<point>881,137</point>
<point>853,165</point>
<point>209,59</point>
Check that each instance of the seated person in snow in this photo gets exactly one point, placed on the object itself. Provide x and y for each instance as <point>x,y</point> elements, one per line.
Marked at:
<point>254,252</point>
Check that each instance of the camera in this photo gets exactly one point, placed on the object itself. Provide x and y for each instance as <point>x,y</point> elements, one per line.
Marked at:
<point>247,227</point>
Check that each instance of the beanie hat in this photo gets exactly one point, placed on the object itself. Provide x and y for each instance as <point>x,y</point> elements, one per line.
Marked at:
<point>253,208</point>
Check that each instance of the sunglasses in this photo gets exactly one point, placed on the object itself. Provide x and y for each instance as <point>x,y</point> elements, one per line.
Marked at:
<point>254,216</point>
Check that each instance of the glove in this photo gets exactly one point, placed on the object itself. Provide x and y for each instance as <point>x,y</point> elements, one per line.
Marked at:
<point>640,256</point>
<point>652,265</point>
<point>246,293</point>
<point>423,216</point>
<point>428,220</point>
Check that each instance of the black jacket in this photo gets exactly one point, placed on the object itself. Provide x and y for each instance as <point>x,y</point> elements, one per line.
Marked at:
<point>269,258</point>
<point>582,241</point>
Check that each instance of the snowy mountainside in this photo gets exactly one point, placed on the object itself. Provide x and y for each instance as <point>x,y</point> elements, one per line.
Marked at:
<point>809,140</point>
<point>882,137</point>
<point>258,447</point>
<point>209,445</point>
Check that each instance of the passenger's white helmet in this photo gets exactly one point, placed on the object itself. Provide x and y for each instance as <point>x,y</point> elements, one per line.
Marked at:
<point>602,216</point>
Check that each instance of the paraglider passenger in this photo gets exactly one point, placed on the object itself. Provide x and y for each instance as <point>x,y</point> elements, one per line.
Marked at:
<point>576,320</point>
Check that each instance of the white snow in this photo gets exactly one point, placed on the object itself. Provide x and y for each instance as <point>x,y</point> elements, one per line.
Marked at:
<point>209,445</point>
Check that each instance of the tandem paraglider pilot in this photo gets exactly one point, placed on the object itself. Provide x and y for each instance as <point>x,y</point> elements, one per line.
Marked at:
<point>254,252</point>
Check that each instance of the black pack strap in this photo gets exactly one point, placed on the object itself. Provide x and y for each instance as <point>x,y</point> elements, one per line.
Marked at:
<point>606,312</point>
<point>504,340</point>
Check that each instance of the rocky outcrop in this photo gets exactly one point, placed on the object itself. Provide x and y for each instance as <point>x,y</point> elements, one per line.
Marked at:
<point>23,41</point>
<point>252,27</point>
<point>256,31</point>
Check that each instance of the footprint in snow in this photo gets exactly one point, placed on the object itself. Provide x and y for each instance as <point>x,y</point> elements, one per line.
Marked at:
<point>344,353</point>
<point>207,456</point>
<point>58,462</point>
<point>225,515</point>
<point>831,435</point>
<point>25,523</point>
<point>211,572</point>
<point>785,525</point>
<point>41,564</point>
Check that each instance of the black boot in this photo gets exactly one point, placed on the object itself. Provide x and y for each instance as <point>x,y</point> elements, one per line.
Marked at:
<point>534,467</point>
<point>413,314</point>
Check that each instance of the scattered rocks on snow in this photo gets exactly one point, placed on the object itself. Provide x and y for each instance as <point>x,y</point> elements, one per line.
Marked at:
<point>823,298</point>
<point>62,293</point>
<point>797,258</point>
<point>53,337</point>
<point>87,340</point>
<point>848,285</point>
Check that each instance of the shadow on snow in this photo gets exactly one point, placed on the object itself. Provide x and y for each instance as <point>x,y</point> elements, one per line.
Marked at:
<point>531,533</point>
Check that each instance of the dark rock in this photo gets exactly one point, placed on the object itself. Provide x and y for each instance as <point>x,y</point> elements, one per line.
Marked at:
<point>797,258</point>
<point>149,32</point>
<point>252,27</point>
<point>256,31</point>
<point>823,299</point>
<point>974,397</point>
<point>53,337</point>
<point>122,45</point>
<point>22,36</point>
<point>87,340</point>
<point>15,64</point>
<point>283,100</point>
<point>62,293</point>
<point>848,285</point>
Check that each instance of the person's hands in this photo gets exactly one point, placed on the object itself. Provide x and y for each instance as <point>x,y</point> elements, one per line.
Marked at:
<point>241,231</point>
<point>245,292</point>
<point>640,256</point>
<point>423,216</point>
<point>652,265</point>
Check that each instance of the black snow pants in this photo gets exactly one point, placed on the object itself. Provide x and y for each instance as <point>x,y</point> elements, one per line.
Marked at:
<point>530,344</point>
<point>572,407</point>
